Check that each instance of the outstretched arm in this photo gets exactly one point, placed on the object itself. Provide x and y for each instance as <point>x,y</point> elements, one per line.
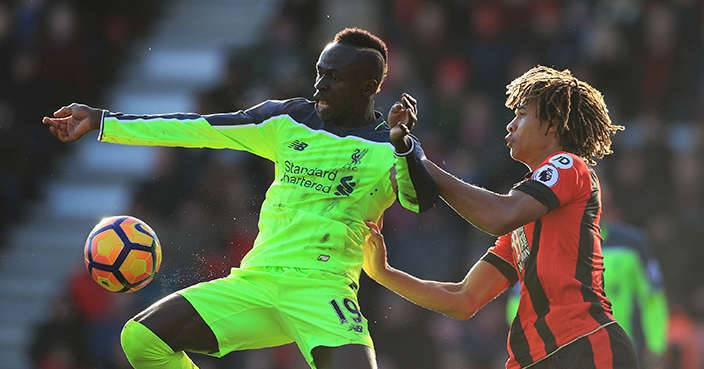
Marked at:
<point>462,300</point>
<point>73,122</point>
<point>491,212</point>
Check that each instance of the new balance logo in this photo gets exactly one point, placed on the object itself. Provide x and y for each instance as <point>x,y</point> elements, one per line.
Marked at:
<point>356,328</point>
<point>298,145</point>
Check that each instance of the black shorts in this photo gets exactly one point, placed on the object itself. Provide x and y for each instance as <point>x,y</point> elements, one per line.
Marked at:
<point>607,348</point>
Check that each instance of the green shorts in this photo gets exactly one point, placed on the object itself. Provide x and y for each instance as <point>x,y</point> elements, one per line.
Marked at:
<point>266,307</point>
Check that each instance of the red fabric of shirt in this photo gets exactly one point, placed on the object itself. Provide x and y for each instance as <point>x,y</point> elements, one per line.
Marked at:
<point>557,260</point>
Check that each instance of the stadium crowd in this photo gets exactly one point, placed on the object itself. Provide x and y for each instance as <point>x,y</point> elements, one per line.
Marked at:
<point>456,58</point>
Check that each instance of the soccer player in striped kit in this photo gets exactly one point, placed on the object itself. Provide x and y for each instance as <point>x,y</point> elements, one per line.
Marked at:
<point>548,228</point>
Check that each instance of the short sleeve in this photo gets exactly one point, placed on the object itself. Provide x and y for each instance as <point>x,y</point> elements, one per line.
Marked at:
<point>558,180</point>
<point>501,256</point>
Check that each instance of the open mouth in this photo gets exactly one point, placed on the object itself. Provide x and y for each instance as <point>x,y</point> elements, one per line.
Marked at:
<point>321,105</point>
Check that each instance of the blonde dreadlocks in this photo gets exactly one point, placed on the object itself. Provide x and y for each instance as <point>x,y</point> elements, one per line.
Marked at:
<point>577,110</point>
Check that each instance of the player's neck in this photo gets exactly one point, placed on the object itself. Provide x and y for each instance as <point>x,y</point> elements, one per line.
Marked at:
<point>540,157</point>
<point>357,119</point>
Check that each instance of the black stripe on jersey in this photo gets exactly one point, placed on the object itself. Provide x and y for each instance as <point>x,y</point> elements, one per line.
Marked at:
<point>503,266</point>
<point>302,111</point>
<point>270,108</point>
<point>540,192</point>
<point>583,271</point>
<point>541,304</point>
<point>148,117</point>
<point>519,343</point>
<point>427,195</point>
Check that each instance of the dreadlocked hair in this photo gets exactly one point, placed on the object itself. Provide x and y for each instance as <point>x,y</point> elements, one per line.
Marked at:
<point>577,110</point>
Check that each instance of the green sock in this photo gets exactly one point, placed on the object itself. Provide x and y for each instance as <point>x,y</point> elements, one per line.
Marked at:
<point>146,350</point>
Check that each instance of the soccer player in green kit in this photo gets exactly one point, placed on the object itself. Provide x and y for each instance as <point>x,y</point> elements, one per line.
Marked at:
<point>333,162</point>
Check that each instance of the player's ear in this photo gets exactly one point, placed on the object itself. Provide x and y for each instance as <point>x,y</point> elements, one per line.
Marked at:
<point>370,87</point>
<point>552,127</point>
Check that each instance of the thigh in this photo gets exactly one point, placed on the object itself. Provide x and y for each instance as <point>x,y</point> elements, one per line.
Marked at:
<point>344,357</point>
<point>241,310</point>
<point>179,325</point>
<point>323,314</point>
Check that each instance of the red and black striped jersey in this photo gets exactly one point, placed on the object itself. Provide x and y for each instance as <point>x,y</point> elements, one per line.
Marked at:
<point>557,260</point>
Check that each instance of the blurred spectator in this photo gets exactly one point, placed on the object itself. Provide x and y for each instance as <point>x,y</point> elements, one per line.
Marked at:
<point>685,342</point>
<point>401,334</point>
<point>44,45</point>
<point>102,315</point>
<point>60,342</point>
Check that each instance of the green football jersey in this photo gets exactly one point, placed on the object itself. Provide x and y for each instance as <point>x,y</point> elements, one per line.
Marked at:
<point>328,180</point>
<point>633,281</point>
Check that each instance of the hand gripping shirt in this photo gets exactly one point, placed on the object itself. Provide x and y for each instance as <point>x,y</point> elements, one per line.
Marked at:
<point>557,260</point>
<point>328,180</point>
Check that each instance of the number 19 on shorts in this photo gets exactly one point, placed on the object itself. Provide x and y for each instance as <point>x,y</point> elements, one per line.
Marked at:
<point>345,310</point>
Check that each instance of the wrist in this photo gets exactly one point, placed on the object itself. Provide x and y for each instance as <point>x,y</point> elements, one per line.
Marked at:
<point>380,274</point>
<point>96,118</point>
<point>404,146</point>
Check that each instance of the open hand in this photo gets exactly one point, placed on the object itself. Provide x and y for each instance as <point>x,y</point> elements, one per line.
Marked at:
<point>73,122</point>
<point>374,250</point>
<point>403,115</point>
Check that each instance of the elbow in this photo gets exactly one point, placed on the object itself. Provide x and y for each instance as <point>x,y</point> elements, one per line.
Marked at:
<point>429,202</point>
<point>499,230</point>
<point>495,229</point>
<point>502,225</point>
<point>463,311</point>
<point>462,315</point>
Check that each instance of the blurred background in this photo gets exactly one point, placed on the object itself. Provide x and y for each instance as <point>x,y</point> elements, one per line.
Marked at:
<point>208,56</point>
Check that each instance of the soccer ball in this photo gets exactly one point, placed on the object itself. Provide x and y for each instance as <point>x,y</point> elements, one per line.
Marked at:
<point>122,253</point>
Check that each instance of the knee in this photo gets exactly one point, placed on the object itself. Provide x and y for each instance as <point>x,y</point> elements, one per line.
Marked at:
<point>141,345</point>
<point>144,349</point>
<point>130,338</point>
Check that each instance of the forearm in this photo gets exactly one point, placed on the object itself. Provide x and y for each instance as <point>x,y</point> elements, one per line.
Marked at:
<point>417,190</point>
<point>184,130</point>
<point>443,297</point>
<point>486,210</point>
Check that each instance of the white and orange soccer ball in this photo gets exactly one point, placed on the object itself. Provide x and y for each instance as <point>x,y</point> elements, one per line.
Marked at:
<point>122,253</point>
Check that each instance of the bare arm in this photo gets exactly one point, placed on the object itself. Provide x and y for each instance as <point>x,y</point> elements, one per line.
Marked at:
<point>460,300</point>
<point>73,122</point>
<point>491,212</point>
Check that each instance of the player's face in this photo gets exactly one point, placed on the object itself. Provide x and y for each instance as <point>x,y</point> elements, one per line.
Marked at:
<point>339,85</point>
<point>528,139</point>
